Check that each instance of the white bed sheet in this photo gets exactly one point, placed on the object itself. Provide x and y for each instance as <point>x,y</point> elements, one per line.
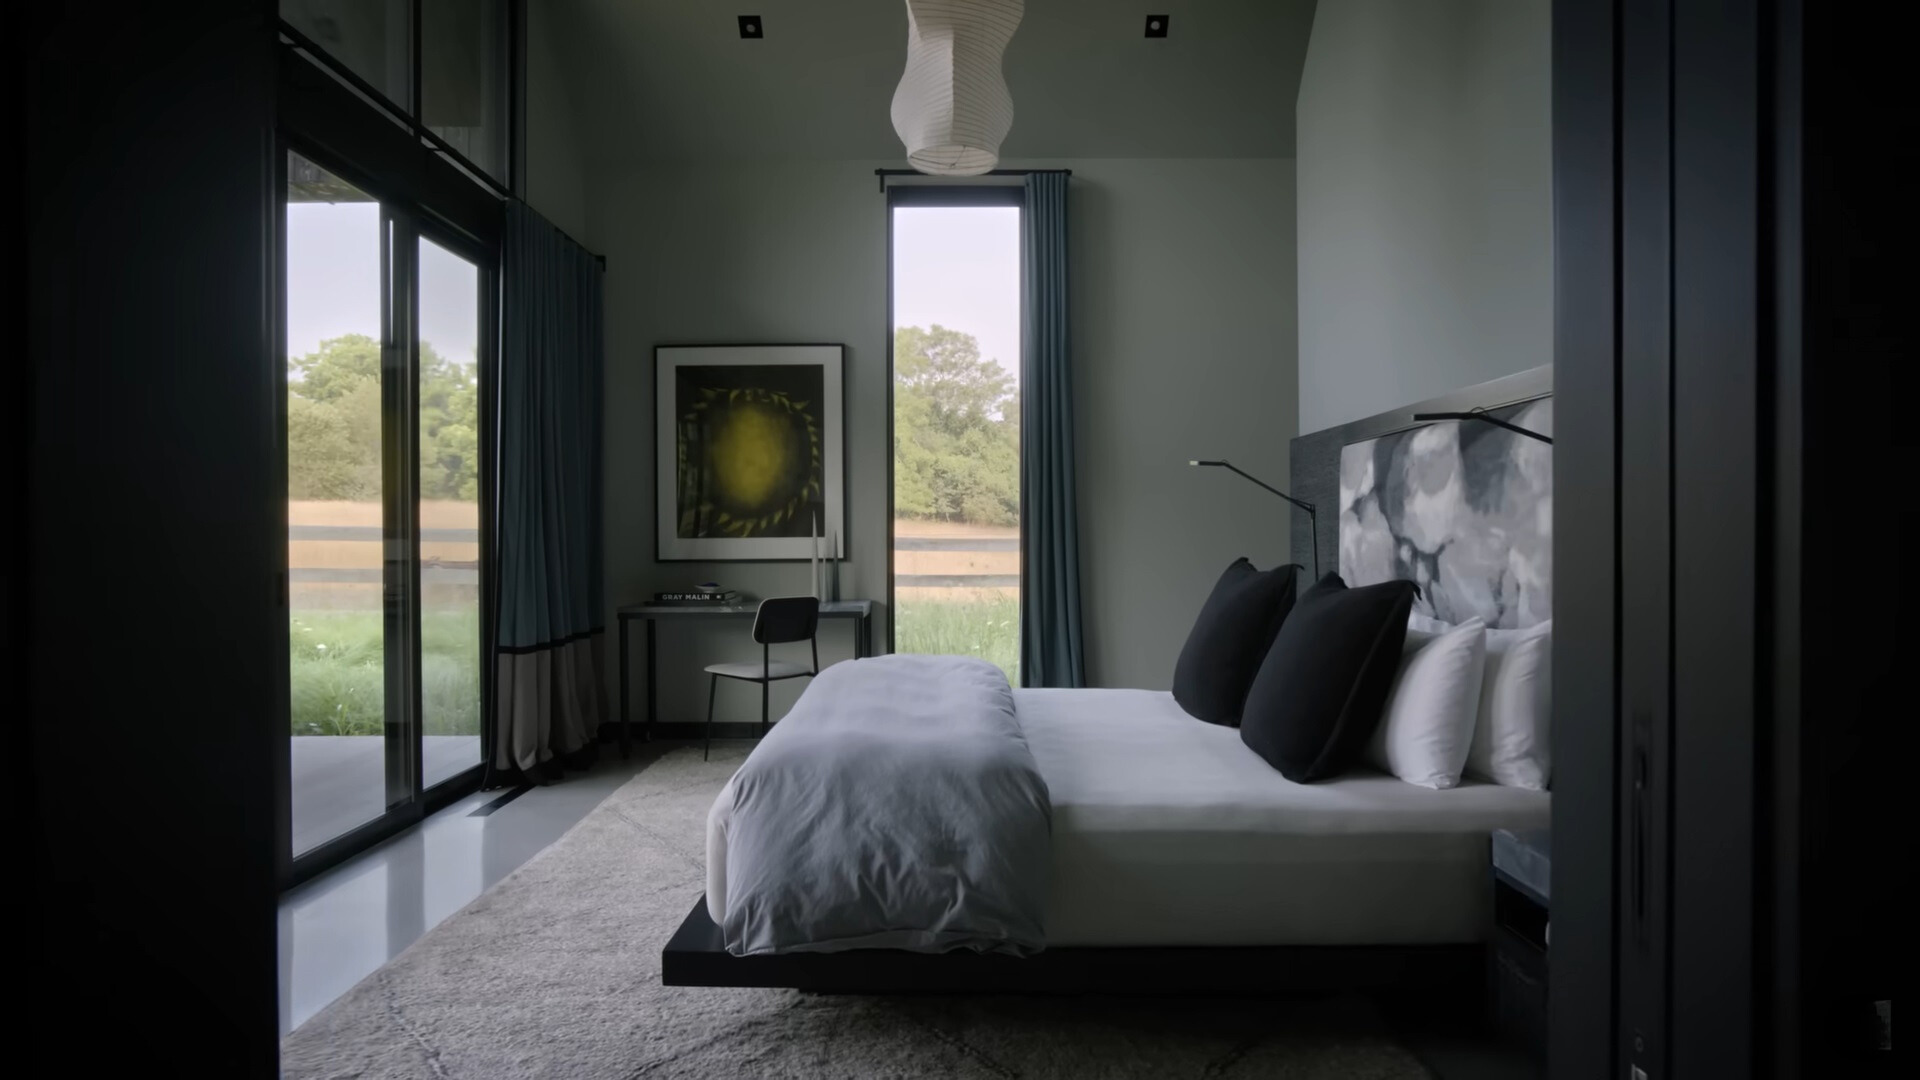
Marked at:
<point>1169,831</point>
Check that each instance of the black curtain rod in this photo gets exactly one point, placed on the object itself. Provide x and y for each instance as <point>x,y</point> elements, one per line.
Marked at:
<point>884,173</point>
<point>601,259</point>
<point>1477,414</point>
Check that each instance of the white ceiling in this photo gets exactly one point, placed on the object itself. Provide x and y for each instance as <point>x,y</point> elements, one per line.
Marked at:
<point>672,80</point>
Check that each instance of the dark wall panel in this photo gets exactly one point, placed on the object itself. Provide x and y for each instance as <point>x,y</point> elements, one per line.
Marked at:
<point>154,646</point>
<point>1849,725</point>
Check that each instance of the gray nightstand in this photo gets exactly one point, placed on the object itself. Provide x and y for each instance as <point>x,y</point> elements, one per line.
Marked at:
<point>1517,948</point>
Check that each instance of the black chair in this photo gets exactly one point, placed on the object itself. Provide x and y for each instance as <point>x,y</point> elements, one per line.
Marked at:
<point>780,620</point>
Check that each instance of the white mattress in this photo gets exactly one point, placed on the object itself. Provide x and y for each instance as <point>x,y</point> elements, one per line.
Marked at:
<point>1169,831</point>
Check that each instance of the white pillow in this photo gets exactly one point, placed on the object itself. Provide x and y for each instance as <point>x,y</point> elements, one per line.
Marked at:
<point>1512,740</point>
<point>1426,731</point>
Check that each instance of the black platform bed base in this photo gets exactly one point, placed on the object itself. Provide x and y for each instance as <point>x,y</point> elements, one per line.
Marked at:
<point>696,957</point>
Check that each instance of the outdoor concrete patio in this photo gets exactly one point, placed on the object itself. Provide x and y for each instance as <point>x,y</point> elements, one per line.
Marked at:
<point>339,781</point>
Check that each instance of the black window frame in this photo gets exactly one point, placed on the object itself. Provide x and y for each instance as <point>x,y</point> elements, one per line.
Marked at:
<point>513,25</point>
<point>327,120</point>
<point>936,195</point>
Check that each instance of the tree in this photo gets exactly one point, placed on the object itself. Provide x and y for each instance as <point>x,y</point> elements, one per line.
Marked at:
<point>331,445</point>
<point>335,369</point>
<point>449,443</point>
<point>944,367</point>
<point>333,423</point>
<point>956,430</point>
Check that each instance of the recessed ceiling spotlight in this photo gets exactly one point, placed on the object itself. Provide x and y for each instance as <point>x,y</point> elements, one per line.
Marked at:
<point>1156,26</point>
<point>750,27</point>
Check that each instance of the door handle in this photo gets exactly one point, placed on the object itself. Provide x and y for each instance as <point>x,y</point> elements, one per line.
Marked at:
<point>1640,823</point>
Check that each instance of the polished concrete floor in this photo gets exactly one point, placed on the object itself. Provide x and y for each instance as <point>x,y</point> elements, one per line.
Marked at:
<point>339,927</point>
<point>340,781</point>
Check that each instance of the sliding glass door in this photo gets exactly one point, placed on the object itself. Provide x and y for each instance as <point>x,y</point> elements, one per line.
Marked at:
<point>386,334</point>
<point>448,429</point>
<point>336,252</point>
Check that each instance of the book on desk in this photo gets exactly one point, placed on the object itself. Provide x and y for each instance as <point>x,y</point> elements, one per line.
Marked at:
<point>717,599</point>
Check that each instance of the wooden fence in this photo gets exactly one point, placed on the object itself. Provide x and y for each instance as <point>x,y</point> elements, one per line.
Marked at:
<point>437,571</point>
<point>993,577</point>
<point>433,570</point>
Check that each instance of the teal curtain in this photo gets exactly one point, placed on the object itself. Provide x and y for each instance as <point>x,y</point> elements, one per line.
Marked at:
<point>1050,650</point>
<point>549,698</point>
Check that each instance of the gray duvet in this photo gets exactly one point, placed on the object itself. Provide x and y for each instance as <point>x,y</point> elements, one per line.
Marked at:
<point>896,806</point>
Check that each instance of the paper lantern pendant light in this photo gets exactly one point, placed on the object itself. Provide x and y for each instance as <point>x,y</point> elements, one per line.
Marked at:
<point>952,107</point>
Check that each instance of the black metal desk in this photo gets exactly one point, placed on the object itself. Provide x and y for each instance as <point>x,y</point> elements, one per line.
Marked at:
<point>861,611</point>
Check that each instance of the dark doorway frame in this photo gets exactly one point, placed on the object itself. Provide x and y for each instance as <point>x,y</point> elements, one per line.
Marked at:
<point>1582,1002</point>
<point>1725,342</point>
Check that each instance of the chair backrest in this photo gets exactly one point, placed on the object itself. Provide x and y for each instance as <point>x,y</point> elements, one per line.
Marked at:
<point>786,618</point>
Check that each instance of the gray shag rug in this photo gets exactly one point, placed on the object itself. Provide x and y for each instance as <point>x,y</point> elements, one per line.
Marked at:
<point>555,972</point>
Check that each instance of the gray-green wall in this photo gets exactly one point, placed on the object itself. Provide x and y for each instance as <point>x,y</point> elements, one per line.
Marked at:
<point>1425,188</point>
<point>556,175</point>
<point>1183,346</point>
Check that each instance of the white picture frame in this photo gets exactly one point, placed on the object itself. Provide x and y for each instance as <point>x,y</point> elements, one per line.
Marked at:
<point>699,525</point>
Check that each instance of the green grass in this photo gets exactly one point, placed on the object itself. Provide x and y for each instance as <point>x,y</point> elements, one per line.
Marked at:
<point>339,676</point>
<point>986,628</point>
<point>339,673</point>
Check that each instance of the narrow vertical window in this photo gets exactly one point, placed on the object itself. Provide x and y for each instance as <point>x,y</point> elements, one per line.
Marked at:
<point>956,422</point>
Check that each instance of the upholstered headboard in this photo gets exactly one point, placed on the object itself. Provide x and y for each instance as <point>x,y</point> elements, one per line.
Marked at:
<point>1463,509</point>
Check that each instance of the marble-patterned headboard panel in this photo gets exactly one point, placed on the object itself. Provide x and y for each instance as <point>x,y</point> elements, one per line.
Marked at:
<point>1465,510</point>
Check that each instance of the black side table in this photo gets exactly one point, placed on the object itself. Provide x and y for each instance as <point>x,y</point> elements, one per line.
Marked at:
<point>1517,951</point>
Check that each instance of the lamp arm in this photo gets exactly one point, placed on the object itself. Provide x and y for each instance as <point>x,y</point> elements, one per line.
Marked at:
<point>1301,503</point>
<point>1313,526</point>
<point>1484,418</point>
<point>1313,515</point>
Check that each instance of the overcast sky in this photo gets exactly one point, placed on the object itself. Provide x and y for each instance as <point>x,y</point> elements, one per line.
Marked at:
<point>960,267</point>
<point>333,282</point>
<point>955,266</point>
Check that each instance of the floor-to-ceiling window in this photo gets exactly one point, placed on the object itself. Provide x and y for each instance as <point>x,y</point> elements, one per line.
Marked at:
<point>397,121</point>
<point>955,302</point>
<point>385,339</point>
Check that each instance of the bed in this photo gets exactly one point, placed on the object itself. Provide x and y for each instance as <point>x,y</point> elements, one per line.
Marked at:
<point>1168,831</point>
<point>1174,858</point>
<point>1181,862</point>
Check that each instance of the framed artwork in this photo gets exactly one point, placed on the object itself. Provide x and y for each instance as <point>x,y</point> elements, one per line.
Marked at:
<point>749,454</point>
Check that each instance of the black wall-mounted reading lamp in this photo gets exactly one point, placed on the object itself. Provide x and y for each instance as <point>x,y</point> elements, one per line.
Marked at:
<point>1313,520</point>
<point>1485,419</point>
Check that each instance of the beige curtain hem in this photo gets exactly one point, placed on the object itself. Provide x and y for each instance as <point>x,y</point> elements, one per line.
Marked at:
<point>550,703</point>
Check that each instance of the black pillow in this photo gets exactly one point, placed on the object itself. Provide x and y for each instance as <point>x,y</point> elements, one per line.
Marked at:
<point>1235,628</point>
<point>1318,696</point>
